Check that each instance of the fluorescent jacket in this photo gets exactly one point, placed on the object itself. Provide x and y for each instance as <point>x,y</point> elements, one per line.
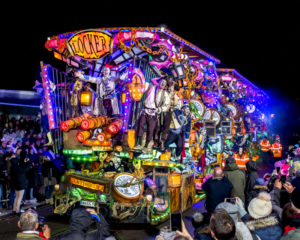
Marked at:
<point>265,145</point>
<point>241,160</point>
<point>276,149</point>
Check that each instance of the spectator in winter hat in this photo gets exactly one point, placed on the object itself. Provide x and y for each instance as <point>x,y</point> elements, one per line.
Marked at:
<point>260,220</point>
<point>258,187</point>
<point>291,216</point>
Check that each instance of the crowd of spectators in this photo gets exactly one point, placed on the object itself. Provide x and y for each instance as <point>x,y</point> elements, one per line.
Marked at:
<point>242,205</point>
<point>29,169</point>
<point>239,204</point>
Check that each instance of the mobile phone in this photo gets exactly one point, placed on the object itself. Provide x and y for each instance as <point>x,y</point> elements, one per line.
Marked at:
<point>283,179</point>
<point>176,219</point>
<point>277,169</point>
<point>231,200</point>
<point>41,222</point>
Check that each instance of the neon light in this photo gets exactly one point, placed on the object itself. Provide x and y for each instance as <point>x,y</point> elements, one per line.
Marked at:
<point>48,95</point>
<point>77,151</point>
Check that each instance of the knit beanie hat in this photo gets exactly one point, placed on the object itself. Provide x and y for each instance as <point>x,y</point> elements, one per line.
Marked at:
<point>231,209</point>
<point>260,181</point>
<point>230,159</point>
<point>260,206</point>
<point>296,198</point>
<point>197,219</point>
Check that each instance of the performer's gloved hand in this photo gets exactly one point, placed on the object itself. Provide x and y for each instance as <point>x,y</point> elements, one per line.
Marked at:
<point>93,213</point>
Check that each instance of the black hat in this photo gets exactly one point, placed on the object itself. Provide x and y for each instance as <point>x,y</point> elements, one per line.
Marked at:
<point>230,160</point>
<point>296,198</point>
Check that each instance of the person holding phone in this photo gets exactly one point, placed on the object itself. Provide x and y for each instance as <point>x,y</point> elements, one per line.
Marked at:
<point>29,225</point>
<point>221,226</point>
<point>80,221</point>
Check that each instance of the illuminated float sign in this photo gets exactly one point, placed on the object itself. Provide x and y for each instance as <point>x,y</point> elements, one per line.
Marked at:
<point>85,184</point>
<point>90,45</point>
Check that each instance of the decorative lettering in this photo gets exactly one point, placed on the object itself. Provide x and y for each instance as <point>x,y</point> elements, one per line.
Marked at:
<point>86,184</point>
<point>90,44</point>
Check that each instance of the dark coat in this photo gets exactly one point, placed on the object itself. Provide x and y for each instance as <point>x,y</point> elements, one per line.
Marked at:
<point>296,182</point>
<point>3,168</point>
<point>213,196</point>
<point>292,223</point>
<point>267,228</point>
<point>254,192</point>
<point>203,233</point>
<point>32,174</point>
<point>18,174</point>
<point>252,176</point>
<point>80,222</point>
<point>50,173</point>
<point>237,178</point>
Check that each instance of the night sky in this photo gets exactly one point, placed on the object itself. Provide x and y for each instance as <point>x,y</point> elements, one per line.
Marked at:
<point>260,42</point>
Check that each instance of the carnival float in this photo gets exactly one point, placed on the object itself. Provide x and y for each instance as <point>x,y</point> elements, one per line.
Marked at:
<point>142,117</point>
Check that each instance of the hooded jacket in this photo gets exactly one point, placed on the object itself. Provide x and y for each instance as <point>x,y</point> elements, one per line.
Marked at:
<point>237,178</point>
<point>80,222</point>
<point>252,175</point>
<point>267,228</point>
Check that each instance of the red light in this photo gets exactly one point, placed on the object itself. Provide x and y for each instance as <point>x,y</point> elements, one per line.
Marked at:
<point>85,124</point>
<point>64,126</point>
<point>80,137</point>
<point>112,129</point>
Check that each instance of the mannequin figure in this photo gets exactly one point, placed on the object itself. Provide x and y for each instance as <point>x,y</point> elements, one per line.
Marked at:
<point>152,106</point>
<point>180,128</point>
<point>106,95</point>
<point>163,104</point>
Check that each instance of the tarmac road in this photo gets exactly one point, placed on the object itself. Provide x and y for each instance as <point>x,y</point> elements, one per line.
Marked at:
<point>60,224</point>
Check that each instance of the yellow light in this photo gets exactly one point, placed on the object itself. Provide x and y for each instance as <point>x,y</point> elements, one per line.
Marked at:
<point>175,180</point>
<point>124,97</point>
<point>57,55</point>
<point>86,98</point>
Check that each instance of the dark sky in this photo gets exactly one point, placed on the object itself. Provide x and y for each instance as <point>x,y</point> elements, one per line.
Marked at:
<point>260,42</point>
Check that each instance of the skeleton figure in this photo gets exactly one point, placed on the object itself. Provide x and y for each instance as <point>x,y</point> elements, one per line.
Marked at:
<point>163,103</point>
<point>106,102</point>
<point>180,128</point>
